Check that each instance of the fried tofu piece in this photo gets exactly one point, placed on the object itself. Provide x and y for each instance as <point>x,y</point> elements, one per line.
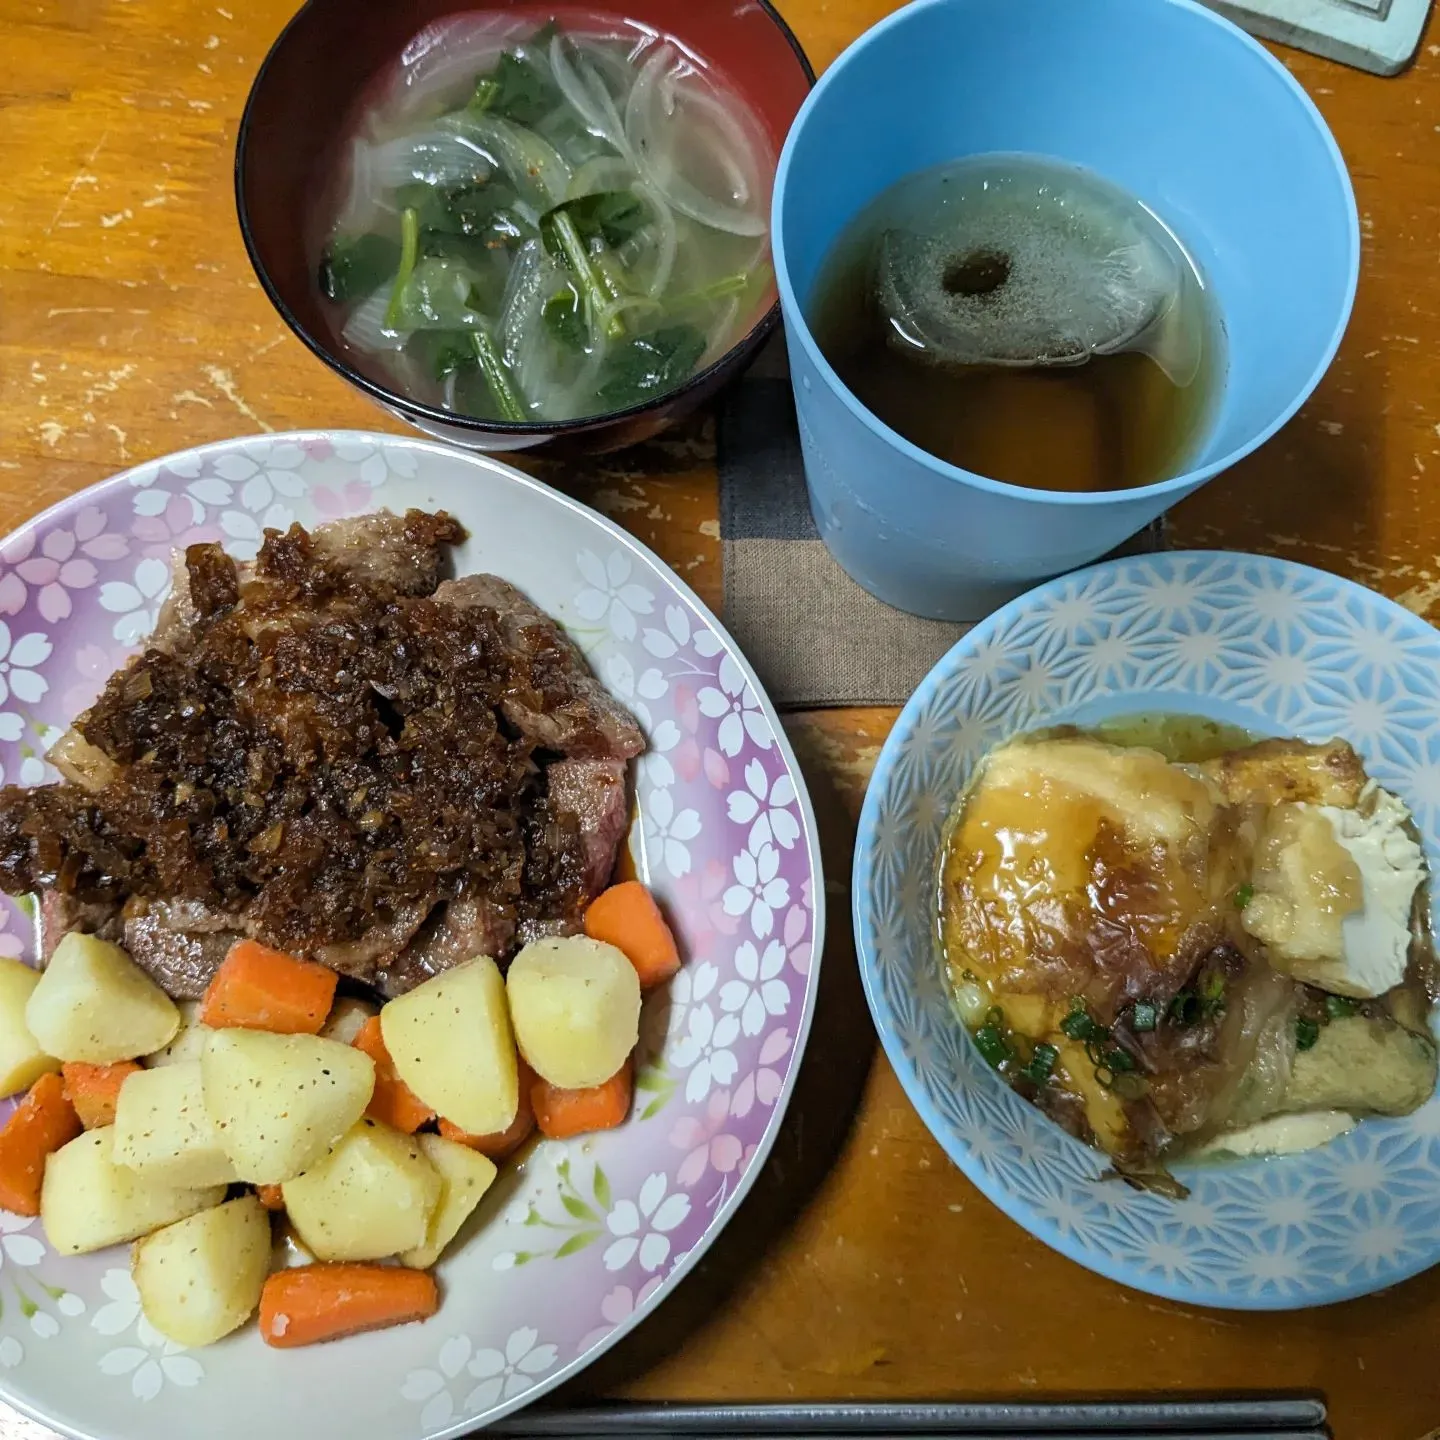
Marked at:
<point>1274,771</point>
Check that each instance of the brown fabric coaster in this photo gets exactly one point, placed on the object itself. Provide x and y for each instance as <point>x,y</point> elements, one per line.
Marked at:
<point>814,636</point>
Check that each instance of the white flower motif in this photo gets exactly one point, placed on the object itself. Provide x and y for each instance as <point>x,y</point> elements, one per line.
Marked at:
<point>12,1352</point>
<point>767,806</point>
<point>155,1359</point>
<point>244,534</point>
<point>264,474</point>
<point>677,633</point>
<point>758,889</point>
<point>644,1229</point>
<point>610,594</point>
<point>632,689</point>
<point>18,1247</point>
<point>17,659</point>
<point>667,831</point>
<point>501,1376</point>
<point>759,991</point>
<point>704,1050</point>
<point>377,463</point>
<point>137,604</point>
<point>151,500</point>
<point>735,706</point>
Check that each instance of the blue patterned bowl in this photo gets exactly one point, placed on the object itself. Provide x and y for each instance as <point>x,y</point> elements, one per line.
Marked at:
<point>1276,648</point>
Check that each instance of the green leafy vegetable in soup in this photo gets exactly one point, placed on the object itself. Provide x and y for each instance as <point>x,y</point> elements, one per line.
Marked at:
<point>538,225</point>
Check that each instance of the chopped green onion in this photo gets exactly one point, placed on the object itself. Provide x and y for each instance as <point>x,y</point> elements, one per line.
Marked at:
<point>1144,1016</point>
<point>991,1043</point>
<point>1243,896</point>
<point>1118,1060</point>
<point>1042,1063</point>
<point>486,89</point>
<point>1337,1007</point>
<point>409,250</point>
<point>1096,1048</point>
<point>497,376</point>
<point>1079,1024</point>
<point>1185,1008</point>
<point>1307,1032</point>
<point>1212,994</point>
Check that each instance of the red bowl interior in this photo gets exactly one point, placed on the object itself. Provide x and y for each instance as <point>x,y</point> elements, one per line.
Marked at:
<point>302,104</point>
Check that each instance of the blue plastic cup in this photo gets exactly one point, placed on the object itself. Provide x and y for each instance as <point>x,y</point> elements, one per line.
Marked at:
<point>1162,97</point>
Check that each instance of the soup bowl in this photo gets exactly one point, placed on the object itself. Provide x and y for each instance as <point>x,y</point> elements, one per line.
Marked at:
<point>303,102</point>
<point>1161,97</point>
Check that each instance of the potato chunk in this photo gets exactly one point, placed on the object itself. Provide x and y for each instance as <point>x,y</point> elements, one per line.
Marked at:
<point>451,1043</point>
<point>575,1003</point>
<point>88,1201</point>
<point>347,1018</point>
<point>281,1101</point>
<point>94,1003</point>
<point>163,1131</point>
<point>465,1176</point>
<point>189,1041</point>
<point>201,1278</point>
<point>22,1061</point>
<point>370,1197</point>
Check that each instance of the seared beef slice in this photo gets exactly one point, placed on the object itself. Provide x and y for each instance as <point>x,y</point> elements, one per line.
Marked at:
<point>334,752</point>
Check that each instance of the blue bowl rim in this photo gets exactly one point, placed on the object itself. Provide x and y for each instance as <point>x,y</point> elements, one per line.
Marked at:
<point>798,330</point>
<point>866,947</point>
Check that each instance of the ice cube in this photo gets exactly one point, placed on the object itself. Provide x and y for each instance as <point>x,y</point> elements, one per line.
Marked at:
<point>1007,271</point>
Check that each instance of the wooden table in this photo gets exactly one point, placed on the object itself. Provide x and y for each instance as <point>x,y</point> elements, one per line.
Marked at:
<point>864,1264</point>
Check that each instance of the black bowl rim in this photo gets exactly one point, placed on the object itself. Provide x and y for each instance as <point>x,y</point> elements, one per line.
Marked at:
<point>745,346</point>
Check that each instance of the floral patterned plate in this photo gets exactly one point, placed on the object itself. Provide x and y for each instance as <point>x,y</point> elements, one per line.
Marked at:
<point>585,1238</point>
<point>1275,648</point>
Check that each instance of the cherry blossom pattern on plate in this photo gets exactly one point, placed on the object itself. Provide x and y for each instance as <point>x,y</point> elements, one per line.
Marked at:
<point>266,480</point>
<point>57,564</point>
<point>172,529</point>
<point>373,460</point>
<point>760,992</point>
<point>704,1049</point>
<point>706,1142</point>
<point>641,1227</point>
<point>610,595</point>
<point>735,705</point>
<point>20,660</point>
<point>136,602</point>
<point>150,1361</point>
<point>762,1086</point>
<point>765,806</point>
<point>669,831</point>
<point>42,1306</point>
<point>466,1381</point>
<point>759,889</point>
<point>617,1307</point>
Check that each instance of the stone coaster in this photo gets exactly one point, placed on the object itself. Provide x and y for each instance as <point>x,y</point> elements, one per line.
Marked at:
<point>1376,35</point>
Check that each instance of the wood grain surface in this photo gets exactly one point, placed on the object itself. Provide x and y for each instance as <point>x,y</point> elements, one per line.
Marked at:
<point>864,1265</point>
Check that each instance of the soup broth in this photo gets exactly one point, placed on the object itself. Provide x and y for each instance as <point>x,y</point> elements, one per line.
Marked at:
<point>544,216</point>
<point>1027,321</point>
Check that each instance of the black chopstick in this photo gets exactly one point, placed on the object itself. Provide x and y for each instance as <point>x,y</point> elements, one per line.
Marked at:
<point>1253,1419</point>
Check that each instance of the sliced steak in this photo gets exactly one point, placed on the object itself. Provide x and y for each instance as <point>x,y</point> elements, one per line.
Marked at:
<point>455,932</point>
<point>593,791</point>
<point>572,713</point>
<point>60,914</point>
<point>370,957</point>
<point>332,752</point>
<point>182,962</point>
<point>394,550</point>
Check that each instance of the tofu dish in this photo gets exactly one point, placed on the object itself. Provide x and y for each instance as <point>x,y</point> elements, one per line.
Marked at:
<point>1183,943</point>
<point>327,929</point>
